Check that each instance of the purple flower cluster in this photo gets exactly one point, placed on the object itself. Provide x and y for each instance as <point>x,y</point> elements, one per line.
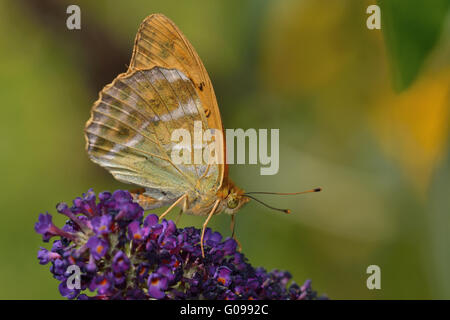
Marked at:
<point>122,255</point>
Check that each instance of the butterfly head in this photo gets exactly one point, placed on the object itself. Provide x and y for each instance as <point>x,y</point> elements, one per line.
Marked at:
<point>233,198</point>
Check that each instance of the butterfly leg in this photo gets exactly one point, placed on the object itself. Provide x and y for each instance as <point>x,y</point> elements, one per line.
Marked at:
<point>233,235</point>
<point>206,223</point>
<point>173,205</point>
<point>233,225</point>
<point>179,216</point>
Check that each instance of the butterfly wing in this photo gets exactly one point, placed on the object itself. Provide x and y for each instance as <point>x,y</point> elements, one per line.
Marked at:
<point>159,42</point>
<point>166,87</point>
<point>129,132</point>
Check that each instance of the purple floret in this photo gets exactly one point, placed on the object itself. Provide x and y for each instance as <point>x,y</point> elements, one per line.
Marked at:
<point>121,254</point>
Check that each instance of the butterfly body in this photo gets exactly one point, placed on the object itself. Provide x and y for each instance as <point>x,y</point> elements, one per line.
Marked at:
<point>198,202</point>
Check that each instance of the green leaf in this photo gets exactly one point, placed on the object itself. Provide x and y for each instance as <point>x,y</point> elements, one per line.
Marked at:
<point>411,29</point>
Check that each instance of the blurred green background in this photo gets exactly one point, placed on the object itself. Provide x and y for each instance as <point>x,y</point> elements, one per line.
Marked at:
<point>362,113</point>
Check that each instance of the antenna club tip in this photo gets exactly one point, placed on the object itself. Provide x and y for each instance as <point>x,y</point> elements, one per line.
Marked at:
<point>287,211</point>
<point>317,189</point>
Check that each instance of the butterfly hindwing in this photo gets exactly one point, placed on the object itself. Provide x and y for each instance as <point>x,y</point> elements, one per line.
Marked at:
<point>129,132</point>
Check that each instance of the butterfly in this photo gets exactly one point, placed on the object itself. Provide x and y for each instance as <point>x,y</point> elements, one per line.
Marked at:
<point>166,87</point>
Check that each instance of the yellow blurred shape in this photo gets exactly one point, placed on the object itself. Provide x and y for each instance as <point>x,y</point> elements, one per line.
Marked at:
<point>412,127</point>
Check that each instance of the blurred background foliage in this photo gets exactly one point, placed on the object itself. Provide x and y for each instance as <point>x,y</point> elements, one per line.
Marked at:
<point>362,113</point>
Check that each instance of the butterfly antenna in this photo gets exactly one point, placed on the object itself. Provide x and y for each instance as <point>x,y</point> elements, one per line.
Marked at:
<point>286,194</point>
<point>266,205</point>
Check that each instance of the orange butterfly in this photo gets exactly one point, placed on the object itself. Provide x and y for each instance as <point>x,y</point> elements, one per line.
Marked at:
<point>166,87</point>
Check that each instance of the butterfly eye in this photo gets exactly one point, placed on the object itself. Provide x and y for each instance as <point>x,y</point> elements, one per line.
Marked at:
<point>232,203</point>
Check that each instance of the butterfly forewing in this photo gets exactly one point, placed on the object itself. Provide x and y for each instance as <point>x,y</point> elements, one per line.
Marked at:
<point>159,42</point>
